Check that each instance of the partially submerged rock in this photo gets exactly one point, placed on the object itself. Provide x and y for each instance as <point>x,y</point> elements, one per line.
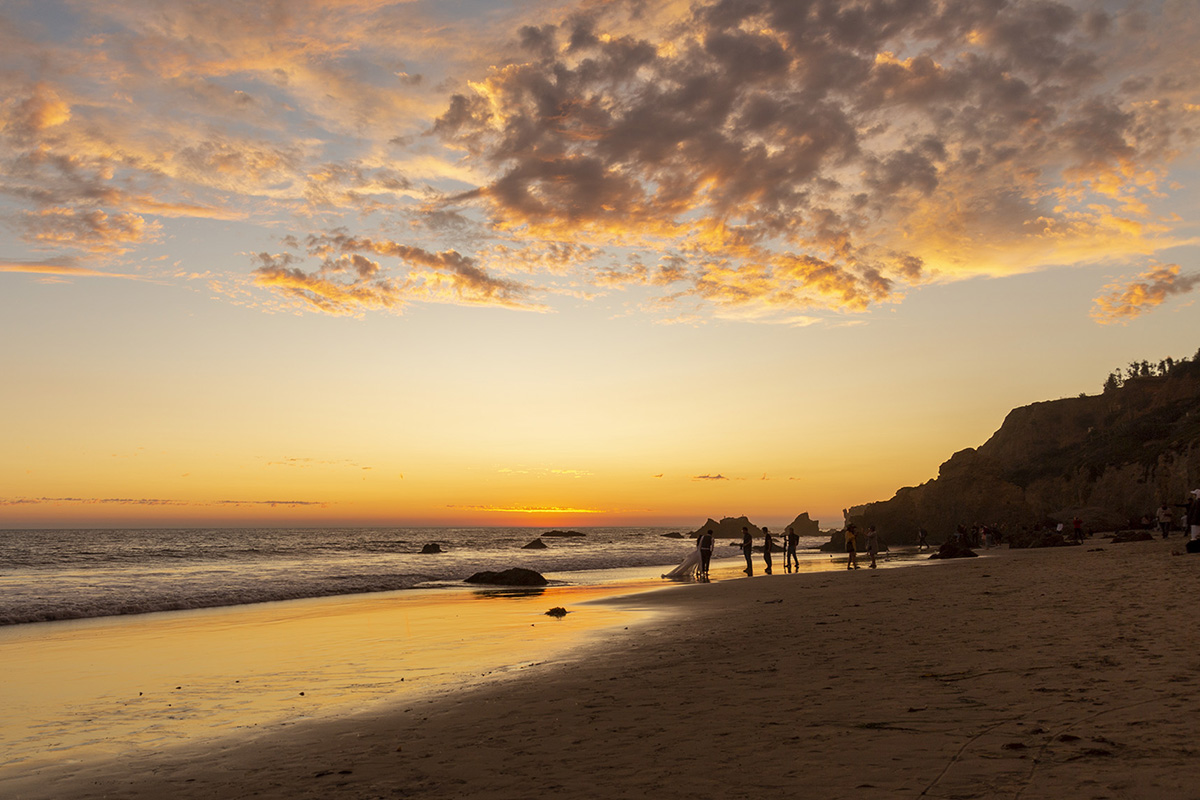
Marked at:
<point>432,547</point>
<point>557,611</point>
<point>536,544</point>
<point>564,534</point>
<point>509,577</point>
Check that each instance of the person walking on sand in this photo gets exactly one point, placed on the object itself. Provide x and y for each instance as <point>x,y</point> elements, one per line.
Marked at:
<point>705,544</point>
<point>748,550</point>
<point>791,541</point>
<point>872,544</point>
<point>851,547</point>
<point>1164,519</point>
<point>922,540</point>
<point>768,543</point>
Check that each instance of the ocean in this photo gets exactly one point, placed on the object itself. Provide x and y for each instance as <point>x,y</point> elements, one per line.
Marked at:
<point>48,575</point>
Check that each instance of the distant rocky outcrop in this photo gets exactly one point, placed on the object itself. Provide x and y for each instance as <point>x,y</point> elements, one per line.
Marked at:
<point>1108,459</point>
<point>673,535</point>
<point>564,534</point>
<point>803,526</point>
<point>728,527</point>
<point>509,577</point>
<point>536,544</point>
<point>432,547</point>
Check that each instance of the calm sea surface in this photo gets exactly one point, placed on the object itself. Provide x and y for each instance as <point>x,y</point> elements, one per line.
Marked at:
<point>72,574</point>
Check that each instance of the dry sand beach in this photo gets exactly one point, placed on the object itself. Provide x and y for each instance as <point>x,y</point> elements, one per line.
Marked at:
<point>1066,673</point>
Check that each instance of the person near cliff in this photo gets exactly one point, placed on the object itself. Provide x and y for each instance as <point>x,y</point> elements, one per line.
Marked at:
<point>768,543</point>
<point>923,540</point>
<point>872,544</point>
<point>792,541</point>
<point>748,550</point>
<point>705,543</point>
<point>1193,522</point>
<point>1163,516</point>
<point>851,547</point>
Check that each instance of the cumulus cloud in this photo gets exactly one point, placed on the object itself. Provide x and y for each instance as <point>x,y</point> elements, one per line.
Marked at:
<point>1126,300</point>
<point>764,160</point>
<point>807,154</point>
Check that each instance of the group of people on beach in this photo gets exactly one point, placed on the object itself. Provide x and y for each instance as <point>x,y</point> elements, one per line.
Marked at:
<point>871,542</point>
<point>791,540</point>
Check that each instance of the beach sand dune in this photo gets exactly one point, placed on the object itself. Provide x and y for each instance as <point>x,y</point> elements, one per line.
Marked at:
<point>1066,673</point>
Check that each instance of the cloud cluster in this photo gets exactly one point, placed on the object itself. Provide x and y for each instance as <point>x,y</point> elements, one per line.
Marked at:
<point>144,501</point>
<point>1123,301</point>
<point>766,160</point>
<point>797,153</point>
<point>348,282</point>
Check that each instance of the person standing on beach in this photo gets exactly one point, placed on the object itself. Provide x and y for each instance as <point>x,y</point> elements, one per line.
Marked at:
<point>791,541</point>
<point>1164,519</point>
<point>705,543</point>
<point>1193,522</point>
<point>768,543</point>
<point>922,539</point>
<point>851,547</point>
<point>748,550</point>
<point>872,544</point>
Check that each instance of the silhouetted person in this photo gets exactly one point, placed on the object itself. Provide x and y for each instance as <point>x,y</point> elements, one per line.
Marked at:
<point>706,548</point>
<point>872,544</point>
<point>768,543</point>
<point>748,550</point>
<point>922,539</point>
<point>790,542</point>
<point>851,547</point>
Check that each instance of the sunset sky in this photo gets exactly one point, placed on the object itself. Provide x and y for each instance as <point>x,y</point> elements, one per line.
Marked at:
<point>593,263</point>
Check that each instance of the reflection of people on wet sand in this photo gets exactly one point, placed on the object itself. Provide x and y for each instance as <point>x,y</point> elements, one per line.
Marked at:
<point>851,547</point>
<point>872,544</point>
<point>768,543</point>
<point>705,543</point>
<point>748,550</point>
<point>790,542</point>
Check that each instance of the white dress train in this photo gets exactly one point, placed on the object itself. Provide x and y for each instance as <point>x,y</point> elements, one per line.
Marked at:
<point>688,567</point>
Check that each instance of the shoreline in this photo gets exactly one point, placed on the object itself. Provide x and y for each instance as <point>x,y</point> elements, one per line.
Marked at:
<point>1042,673</point>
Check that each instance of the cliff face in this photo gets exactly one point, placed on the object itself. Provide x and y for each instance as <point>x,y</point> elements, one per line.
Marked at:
<point>1107,458</point>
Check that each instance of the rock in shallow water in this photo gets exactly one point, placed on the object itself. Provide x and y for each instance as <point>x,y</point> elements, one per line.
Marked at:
<point>509,577</point>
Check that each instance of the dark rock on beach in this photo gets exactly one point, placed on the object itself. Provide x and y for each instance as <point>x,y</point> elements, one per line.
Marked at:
<point>432,547</point>
<point>557,611</point>
<point>1026,539</point>
<point>536,544</point>
<point>509,577</point>
<point>1121,537</point>
<point>953,549</point>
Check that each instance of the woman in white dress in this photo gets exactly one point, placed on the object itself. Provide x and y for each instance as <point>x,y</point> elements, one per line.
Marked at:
<point>689,566</point>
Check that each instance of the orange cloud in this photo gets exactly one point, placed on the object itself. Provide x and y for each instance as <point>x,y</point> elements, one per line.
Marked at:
<point>1128,300</point>
<point>62,270</point>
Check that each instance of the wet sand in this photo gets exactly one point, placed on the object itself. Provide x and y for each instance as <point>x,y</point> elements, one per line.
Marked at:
<point>1066,673</point>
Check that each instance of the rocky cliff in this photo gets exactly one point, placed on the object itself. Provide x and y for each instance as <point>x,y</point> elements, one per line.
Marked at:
<point>1107,458</point>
